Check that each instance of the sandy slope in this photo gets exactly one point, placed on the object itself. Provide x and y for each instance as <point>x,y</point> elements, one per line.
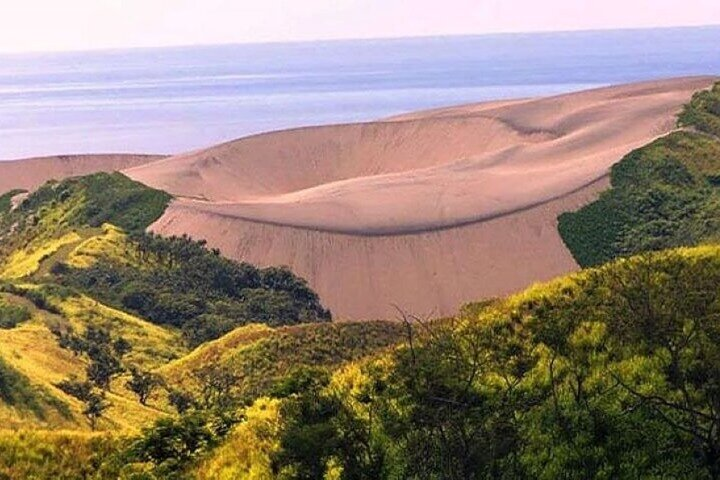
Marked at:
<point>31,173</point>
<point>426,210</point>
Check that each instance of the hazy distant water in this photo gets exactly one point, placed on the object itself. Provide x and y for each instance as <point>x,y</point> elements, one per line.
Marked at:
<point>175,99</point>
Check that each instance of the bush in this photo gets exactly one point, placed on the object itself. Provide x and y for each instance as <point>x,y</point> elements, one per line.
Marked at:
<point>12,315</point>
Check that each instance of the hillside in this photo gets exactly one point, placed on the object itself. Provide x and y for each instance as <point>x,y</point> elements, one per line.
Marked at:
<point>90,303</point>
<point>608,373</point>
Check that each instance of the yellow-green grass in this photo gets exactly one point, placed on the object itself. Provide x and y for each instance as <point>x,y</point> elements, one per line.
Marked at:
<point>33,350</point>
<point>246,453</point>
<point>56,455</point>
<point>26,261</point>
<point>152,345</point>
<point>259,355</point>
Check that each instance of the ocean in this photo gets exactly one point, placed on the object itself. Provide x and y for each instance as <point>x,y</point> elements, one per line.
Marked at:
<point>170,100</point>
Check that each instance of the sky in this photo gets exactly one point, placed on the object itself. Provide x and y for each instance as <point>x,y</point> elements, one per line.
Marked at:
<point>59,25</point>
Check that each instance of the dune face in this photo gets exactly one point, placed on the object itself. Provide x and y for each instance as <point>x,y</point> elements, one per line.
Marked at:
<point>29,174</point>
<point>424,211</point>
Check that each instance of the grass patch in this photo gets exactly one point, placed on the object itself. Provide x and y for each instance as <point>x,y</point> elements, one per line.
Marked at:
<point>12,315</point>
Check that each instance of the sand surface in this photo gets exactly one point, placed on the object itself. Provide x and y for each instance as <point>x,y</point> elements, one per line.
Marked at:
<point>31,173</point>
<point>425,211</point>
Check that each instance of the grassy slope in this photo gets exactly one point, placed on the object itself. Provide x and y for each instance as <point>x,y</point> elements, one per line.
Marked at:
<point>32,350</point>
<point>260,355</point>
<point>663,195</point>
<point>58,224</point>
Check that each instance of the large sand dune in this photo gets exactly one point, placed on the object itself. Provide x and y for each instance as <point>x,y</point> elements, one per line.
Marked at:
<point>424,211</point>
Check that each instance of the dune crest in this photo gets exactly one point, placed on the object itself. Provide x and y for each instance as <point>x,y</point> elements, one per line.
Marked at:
<point>424,211</point>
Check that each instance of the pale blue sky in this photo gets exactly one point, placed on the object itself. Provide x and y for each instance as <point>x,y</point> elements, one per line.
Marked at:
<point>39,25</point>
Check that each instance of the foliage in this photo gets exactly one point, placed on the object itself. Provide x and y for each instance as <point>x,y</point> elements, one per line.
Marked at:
<point>6,200</point>
<point>57,455</point>
<point>196,289</point>
<point>104,352</point>
<point>95,406</point>
<point>607,374</point>
<point>143,384</point>
<point>96,199</point>
<point>173,444</point>
<point>663,195</point>
<point>246,452</point>
<point>12,315</point>
<point>259,357</point>
<point>703,111</point>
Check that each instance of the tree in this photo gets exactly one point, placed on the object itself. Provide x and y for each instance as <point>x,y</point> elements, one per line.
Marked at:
<point>95,406</point>
<point>103,367</point>
<point>142,384</point>
<point>216,386</point>
<point>181,400</point>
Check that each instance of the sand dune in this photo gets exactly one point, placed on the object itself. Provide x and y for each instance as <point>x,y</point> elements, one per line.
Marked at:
<point>426,210</point>
<point>30,173</point>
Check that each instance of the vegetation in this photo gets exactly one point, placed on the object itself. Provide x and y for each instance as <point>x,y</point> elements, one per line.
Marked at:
<point>57,455</point>
<point>16,391</point>
<point>613,372</point>
<point>12,315</point>
<point>663,195</point>
<point>6,200</point>
<point>703,111</point>
<point>94,200</point>
<point>258,356</point>
<point>607,374</point>
<point>195,289</point>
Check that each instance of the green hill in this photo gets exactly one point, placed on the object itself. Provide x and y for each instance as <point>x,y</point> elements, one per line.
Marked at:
<point>93,307</point>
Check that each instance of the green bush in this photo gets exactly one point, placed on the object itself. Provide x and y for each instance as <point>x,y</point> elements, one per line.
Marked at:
<point>12,315</point>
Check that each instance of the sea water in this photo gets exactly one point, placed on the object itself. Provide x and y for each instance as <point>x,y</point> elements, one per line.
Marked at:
<point>170,100</point>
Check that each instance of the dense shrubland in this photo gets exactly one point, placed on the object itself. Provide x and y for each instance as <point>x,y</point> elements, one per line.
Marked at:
<point>195,289</point>
<point>703,111</point>
<point>663,195</point>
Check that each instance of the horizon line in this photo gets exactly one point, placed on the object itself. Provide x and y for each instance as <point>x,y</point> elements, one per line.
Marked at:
<point>355,39</point>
